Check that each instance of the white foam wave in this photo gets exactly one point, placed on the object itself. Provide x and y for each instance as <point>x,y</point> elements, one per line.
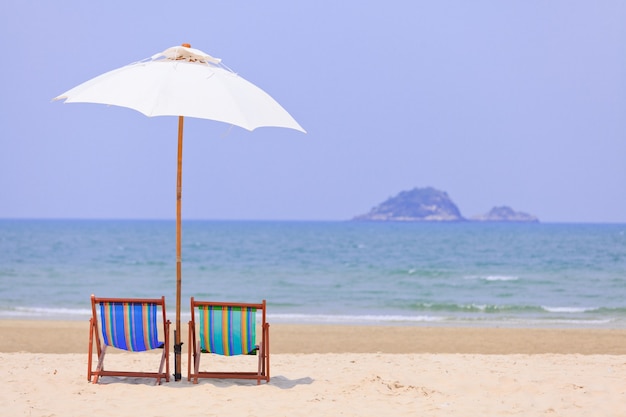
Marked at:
<point>59,313</point>
<point>41,312</point>
<point>562,322</point>
<point>435,320</point>
<point>339,319</point>
<point>493,278</point>
<point>568,309</point>
<point>500,278</point>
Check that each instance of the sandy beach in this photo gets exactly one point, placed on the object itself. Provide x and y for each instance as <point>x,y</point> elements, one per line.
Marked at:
<point>334,370</point>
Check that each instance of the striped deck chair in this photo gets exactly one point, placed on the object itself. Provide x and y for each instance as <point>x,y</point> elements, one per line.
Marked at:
<point>128,324</point>
<point>227,329</point>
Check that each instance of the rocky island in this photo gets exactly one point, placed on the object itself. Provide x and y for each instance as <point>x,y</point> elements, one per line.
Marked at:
<point>432,205</point>
<point>505,214</point>
<point>416,205</point>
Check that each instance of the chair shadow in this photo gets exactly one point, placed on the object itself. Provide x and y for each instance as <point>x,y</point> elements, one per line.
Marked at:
<point>279,381</point>
<point>112,380</point>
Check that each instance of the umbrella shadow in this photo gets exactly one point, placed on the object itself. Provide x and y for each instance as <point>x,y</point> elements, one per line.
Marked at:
<point>283,382</point>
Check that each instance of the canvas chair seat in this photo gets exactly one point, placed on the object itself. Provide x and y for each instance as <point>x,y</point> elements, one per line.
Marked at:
<point>227,329</point>
<point>128,324</point>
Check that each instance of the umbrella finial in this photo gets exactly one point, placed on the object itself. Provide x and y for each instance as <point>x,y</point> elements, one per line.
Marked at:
<point>186,53</point>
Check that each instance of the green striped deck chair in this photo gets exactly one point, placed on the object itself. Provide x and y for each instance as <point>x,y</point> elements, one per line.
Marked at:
<point>228,329</point>
<point>129,324</point>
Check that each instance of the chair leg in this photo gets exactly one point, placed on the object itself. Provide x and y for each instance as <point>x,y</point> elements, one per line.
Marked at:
<point>158,381</point>
<point>100,366</point>
<point>166,351</point>
<point>261,371</point>
<point>266,352</point>
<point>189,349</point>
<point>259,368</point>
<point>89,358</point>
<point>196,362</point>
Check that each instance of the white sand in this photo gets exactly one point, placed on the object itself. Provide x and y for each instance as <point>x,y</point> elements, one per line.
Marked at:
<point>548,377</point>
<point>329,385</point>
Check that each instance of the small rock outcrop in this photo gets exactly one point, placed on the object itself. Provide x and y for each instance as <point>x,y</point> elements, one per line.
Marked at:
<point>505,214</point>
<point>419,204</point>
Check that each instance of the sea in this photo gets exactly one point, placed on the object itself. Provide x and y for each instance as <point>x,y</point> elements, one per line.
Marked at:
<point>343,272</point>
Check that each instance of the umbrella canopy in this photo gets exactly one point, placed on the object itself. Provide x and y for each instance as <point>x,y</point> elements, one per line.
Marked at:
<point>183,81</point>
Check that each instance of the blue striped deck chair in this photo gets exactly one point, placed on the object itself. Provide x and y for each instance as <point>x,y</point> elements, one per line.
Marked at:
<point>228,329</point>
<point>128,324</point>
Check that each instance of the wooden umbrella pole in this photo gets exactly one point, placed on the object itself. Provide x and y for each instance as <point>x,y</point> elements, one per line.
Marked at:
<point>179,192</point>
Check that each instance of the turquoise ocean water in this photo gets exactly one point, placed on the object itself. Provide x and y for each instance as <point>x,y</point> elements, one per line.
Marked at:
<point>468,274</point>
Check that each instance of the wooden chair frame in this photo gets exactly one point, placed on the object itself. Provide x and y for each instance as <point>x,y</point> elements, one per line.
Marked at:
<point>262,346</point>
<point>101,348</point>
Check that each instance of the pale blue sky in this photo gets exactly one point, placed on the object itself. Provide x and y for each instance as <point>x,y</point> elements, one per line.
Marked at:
<point>521,103</point>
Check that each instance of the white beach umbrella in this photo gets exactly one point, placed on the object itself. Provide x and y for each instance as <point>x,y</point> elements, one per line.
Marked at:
<point>183,81</point>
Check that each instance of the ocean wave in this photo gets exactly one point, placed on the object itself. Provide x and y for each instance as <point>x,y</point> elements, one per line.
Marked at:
<point>500,278</point>
<point>351,319</point>
<point>60,313</point>
<point>43,312</point>
<point>444,320</point>
<point>475,308</point>
<point>569,309</point>
<point>423,312</point>
<point>495,309</point>
<point>491,278</point>
<point>543,322</point>
<point>478,316</point>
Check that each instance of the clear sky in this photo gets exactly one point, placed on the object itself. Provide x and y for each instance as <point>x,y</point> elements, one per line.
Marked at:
<point>519,103</point>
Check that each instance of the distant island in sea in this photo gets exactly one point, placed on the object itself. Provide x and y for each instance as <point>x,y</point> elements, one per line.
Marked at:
<point>431,205</point>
